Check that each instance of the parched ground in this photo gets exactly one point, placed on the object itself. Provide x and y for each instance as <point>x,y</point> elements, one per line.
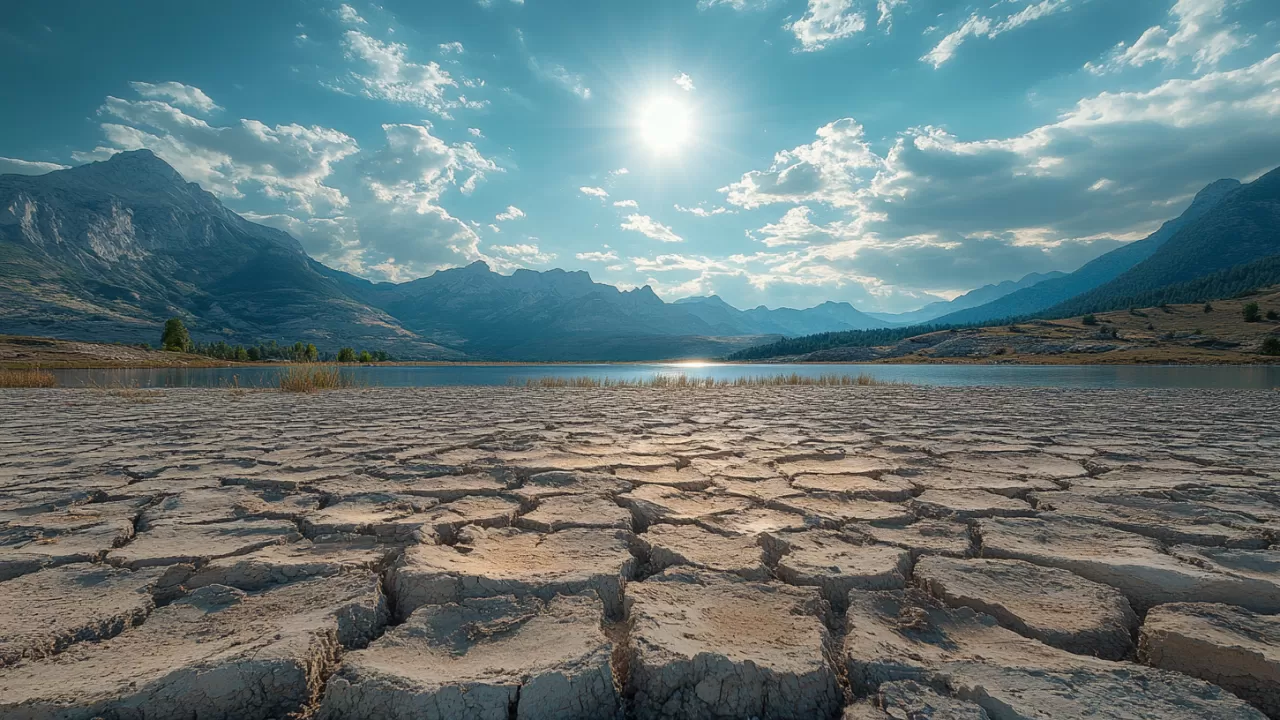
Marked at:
<point>786,552</point>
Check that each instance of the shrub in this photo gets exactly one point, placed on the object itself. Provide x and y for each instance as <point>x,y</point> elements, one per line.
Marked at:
<point>1252,313</point>
<point>365,357</point>
<point>346,355</point>
<point>175,337</point>
<point>1271,346</point>
<point>1089,319</point>
<point>1273,315</point>
<point>310,378</point>
<point>1208,308</point>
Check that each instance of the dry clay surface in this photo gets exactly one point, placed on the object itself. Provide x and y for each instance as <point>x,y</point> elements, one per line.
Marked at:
<point>795,552</point>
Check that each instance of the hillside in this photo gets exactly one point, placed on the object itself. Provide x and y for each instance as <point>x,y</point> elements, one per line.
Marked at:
<point>1095,273</point>
<point>974,298</point>
<point>108,251</point>
<point>1170,334</point>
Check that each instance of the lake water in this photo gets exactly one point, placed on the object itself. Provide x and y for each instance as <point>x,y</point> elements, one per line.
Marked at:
<point>1065,376</point>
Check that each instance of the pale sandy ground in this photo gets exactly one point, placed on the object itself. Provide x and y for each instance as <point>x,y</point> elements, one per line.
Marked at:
<point>795,552</point>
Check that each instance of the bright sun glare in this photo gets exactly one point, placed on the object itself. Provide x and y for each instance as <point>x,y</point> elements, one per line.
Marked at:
<point>665,124</point>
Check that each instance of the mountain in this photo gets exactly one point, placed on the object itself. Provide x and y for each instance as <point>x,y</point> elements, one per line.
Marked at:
<point>827,317</point>
<point>973,298</point>
<point>109,250</point>
<point>1099,271</point>
<point>1238,232</point>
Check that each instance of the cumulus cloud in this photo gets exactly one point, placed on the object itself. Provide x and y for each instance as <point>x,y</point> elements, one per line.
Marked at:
<point>626,204</point>
<point>684,82</point>
<point>595,256</point>
<point>475,132</point>
<point>349,16</point>
<point>826,21</point>
<point>392,76</point>
<point>451,48</point>
<point>511,213</point>
<point>981,26</point>
<point>619,171</point>
<point>594,192</point>
<point>700,211</point>
<point>935,208</point>
<point>175,93</point>
<point>735,4</point>
<point>289,162</point>
<point>14,166</point>
<point>525,253</point>
<point>651,228</point>
<point>1200,33</point>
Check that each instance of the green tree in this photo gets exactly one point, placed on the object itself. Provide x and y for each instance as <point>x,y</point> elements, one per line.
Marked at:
<point>1089,319</point>
<point>242,355</point>
<point>381,356</point>
<point>1208,308</point>
<point>312,353</point>
<point>1271,346</point>
<point>1252,313</point>
<point>365,357</point>
<point>346,355</point>
<point>254,354</point>
<point>175,337</point>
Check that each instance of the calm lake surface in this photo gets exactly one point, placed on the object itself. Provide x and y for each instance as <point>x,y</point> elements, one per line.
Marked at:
<point>1065,376</point>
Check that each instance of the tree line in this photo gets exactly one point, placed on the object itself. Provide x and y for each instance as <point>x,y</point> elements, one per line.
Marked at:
<point>176,338</point>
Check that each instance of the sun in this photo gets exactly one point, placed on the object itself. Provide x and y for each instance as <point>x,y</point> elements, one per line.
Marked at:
<point>665,124</point>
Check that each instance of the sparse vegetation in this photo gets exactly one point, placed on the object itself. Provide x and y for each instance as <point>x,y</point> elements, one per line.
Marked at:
<point>1271,346</point>
<point>30,378</point>
<point>1208,308</point>
<point>686,382</point>
<point>1273,315</point>
<point>1251,312</point>
<point>1089,319</point>
<point>307,378</point>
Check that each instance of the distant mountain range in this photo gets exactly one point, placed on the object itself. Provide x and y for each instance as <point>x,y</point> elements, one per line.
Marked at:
<point>109,250</point>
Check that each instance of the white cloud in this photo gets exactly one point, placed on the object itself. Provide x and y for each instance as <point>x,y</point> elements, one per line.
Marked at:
<point>553,72</point>
<point>684,81</point>
<point>349,16</point>
<point>1200,33</point>
<point>13,166</point>
<point>885,9</point>
<point>511,213</point>
<point>289,162</point>
<point>526,253</point>
<point>825,22</point>
<point>651,228</point>
<point>980,26</point>
<point>619,171</point>
<point>700,211</point>
<point>594,192</point>
<point>606,256</point>
<point>451,48</point>
<point>175,93</point>
<point>393,77</point>
<point>627,204</point>
<point>495,228</point>
<point>935,208</point>
<point>735,4</point>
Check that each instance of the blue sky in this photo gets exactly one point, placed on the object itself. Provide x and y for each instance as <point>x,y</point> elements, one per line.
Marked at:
<point>778,152</point>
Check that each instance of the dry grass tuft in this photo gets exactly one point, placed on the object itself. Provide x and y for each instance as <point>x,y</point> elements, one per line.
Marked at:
<point>312,378</point>
<point>683,382</point>
<point>28,378</point>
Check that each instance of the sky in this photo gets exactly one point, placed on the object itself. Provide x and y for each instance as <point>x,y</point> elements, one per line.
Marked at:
<point>887,153</point>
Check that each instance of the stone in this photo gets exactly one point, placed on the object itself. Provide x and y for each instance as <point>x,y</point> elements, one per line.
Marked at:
<point>44,612</point>
<point>1051,605</point>
<point>507,561</point>
<point>968,504</point>
<point>895,636</point>
<point>279,564</point>
<point>828,510</point>
<point>837,563</point>
<point>656,503</point>
<point>1135,565</point>
<point>1228,646</point>
<point>218,653</point>
<point>692,546</point>
<point>485,658</point>
<point>923,537</point>
<point>707,645</point>
<point>561,512</point>
<point>172,543</point>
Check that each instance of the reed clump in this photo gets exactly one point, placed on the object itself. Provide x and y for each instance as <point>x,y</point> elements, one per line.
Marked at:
<point>312,378</point>
<point>682,382</point>
<point>27,378</point>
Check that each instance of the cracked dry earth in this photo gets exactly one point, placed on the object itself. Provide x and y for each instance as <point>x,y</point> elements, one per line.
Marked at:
<point>862,553</point>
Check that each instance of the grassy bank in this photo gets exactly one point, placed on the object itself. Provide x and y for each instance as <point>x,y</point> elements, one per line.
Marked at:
<point>27,378</point>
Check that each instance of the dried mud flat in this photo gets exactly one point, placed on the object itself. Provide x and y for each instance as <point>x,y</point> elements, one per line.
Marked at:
<point>863,553</point>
